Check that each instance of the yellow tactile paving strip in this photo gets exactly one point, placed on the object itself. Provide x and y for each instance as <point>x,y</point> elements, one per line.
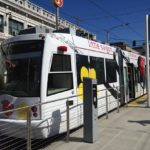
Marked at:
<point>138,102</point>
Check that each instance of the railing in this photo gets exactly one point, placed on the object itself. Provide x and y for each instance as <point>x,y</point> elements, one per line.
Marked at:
<point>61,115</point>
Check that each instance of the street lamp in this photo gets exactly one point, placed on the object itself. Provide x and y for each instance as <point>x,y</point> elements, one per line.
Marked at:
<point>112,28</point>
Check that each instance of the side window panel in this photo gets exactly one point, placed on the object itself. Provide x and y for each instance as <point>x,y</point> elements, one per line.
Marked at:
<point>111,75</point>
<point>98,65</point>
<point>61,63</point>
<point>59,83</point>
<point>60,76</point>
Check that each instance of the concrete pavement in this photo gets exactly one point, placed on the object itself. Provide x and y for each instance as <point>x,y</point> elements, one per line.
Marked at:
<point>127,130</point>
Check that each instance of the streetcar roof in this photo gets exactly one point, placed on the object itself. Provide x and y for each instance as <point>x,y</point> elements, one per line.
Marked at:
<point>75,42</point>
<point>23,38</point>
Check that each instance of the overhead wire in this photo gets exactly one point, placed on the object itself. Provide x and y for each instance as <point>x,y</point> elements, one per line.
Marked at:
<point>113,16</point>
<point>118,15</point>
<point>92,26</point>
<point>81,21</point>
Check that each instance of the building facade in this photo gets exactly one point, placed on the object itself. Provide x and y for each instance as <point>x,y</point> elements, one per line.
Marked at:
<point>21,14</point>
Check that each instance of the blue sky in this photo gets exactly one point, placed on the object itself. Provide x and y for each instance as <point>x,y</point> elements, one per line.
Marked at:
<point>97,16</point>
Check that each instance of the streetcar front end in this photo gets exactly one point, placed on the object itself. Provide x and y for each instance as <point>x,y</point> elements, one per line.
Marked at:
<point>20,81</point>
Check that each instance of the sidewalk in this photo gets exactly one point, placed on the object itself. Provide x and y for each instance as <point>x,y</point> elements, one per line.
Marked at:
<point>127,130</point>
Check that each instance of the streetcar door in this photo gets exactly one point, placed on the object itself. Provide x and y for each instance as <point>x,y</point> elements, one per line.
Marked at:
<point>131,81</point>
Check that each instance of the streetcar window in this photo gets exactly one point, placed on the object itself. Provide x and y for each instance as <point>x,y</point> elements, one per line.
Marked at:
<point>20,68</point>
<point>60,76</point>
<point>82,61</point>
<point>61,63</point>
<point>111,75</point>
<point>19,48</point>
<point>98,65</point>
<point>59,83</point>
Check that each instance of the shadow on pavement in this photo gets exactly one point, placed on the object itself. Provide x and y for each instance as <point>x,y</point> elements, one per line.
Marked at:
<point>141,122</point>
<point>76,139</point>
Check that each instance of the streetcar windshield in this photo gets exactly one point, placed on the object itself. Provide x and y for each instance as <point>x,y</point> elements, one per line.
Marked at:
<point>20,68</point>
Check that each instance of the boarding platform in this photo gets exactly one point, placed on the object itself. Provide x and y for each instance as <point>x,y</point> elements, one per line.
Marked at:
<point>127,130</point>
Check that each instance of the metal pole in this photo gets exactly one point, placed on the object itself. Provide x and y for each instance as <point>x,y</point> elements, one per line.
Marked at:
<point>57,17</point>
<point>117,100</point>
<point>106,104</point>
<point>68,121</point>
<point>147,63</point>
<point>140,92</point>
<point>29,129</point>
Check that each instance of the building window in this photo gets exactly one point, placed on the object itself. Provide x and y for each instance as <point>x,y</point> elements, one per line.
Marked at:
<point>1,23</point>
<point>14,26</point>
